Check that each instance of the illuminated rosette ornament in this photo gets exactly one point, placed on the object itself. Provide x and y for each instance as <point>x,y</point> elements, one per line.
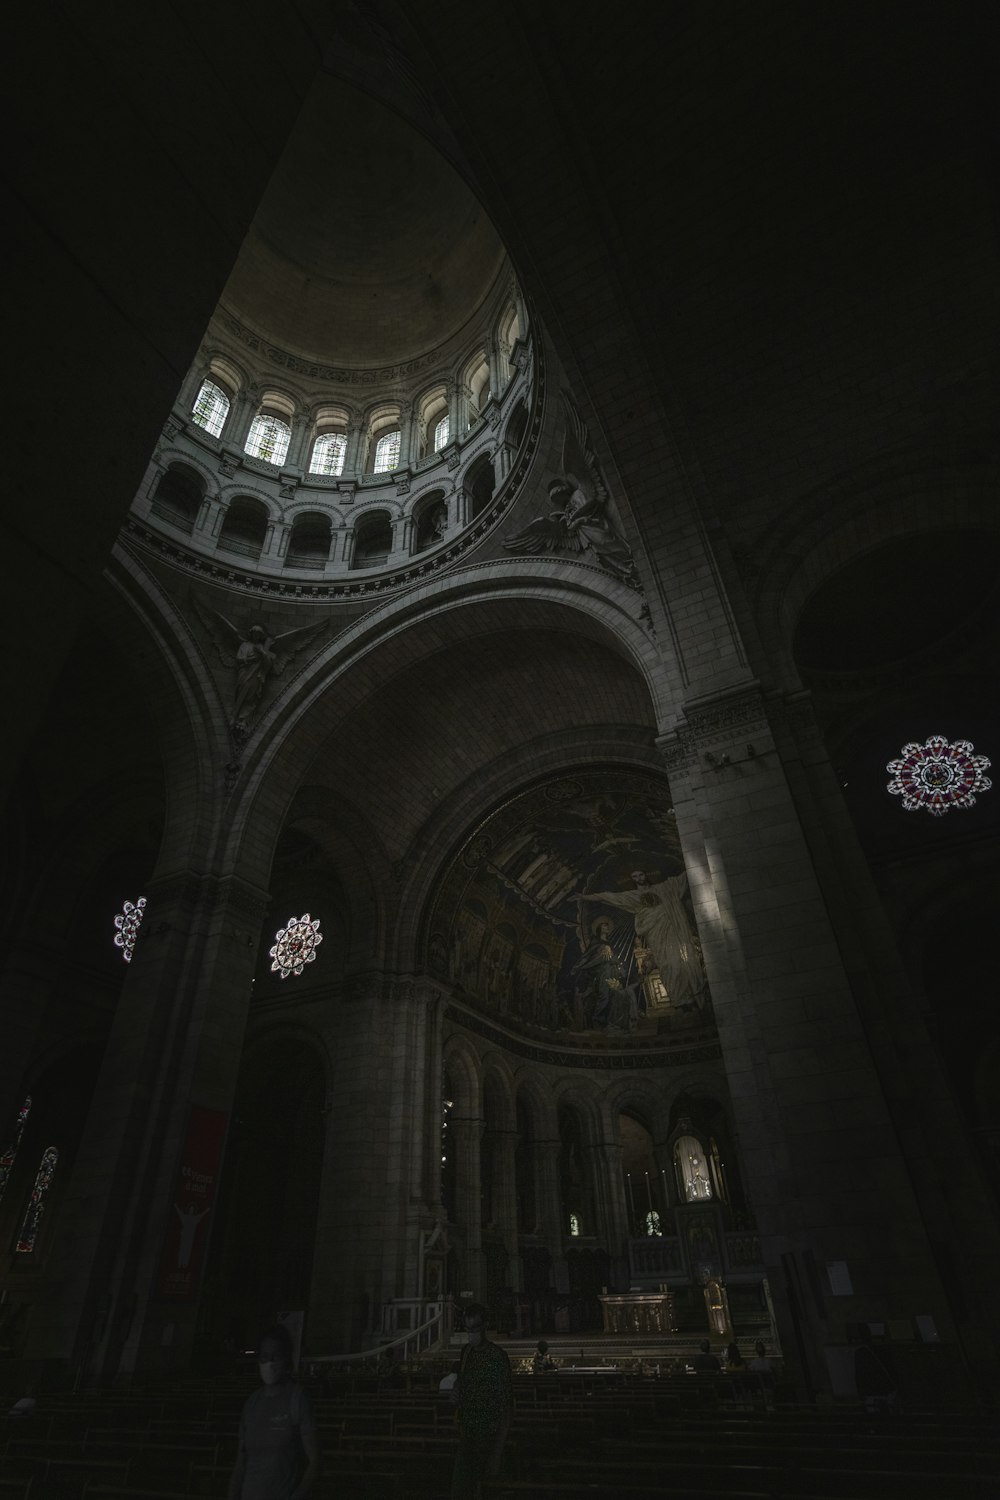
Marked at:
<point>128,922</point>
<point>295,945</point>
<point>937,776</point>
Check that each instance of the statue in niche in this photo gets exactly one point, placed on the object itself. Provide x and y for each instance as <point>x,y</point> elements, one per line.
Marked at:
<point>694,1177</point>
<point>697,1185</point>
<point>582,524</point>
<point>254,654</point>
<point>662,926</point>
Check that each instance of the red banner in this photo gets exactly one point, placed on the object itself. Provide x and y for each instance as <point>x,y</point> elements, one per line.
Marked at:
<point>191,1206</point>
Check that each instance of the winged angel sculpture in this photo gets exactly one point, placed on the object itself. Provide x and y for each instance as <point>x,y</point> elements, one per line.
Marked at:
<point>582,525</point>
<point>255,656</point>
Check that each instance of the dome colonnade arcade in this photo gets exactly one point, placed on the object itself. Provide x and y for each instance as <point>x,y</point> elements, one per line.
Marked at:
<point>289,519</point>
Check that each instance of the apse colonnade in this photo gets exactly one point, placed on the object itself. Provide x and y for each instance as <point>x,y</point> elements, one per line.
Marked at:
<point>535,1171</point>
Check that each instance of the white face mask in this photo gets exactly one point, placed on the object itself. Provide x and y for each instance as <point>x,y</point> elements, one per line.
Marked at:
<point>270,1371</point>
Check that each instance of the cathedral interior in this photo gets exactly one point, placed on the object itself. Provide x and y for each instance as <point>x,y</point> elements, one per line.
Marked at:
<point>450,839</point>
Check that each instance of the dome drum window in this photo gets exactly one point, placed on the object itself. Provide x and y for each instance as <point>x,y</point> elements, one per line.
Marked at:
<point>268,439</point>
<point>387,452</point>
<point>328,454</point>
<point>211,408</point>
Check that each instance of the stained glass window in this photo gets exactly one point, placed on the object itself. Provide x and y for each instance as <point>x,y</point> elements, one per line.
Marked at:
<point>653,1223</point>
<point>574,1224</point>
<point>36,1203</point>
<point>7,1159</point>
<point>295,945</point>
<point>441,433</point>
<point>127,924</point>
<point>268,439</point>
<point>937,776</point>
<point>387,453</point>
<point>328,454</point>
<point>446,1106</point>
<point>211,408</point>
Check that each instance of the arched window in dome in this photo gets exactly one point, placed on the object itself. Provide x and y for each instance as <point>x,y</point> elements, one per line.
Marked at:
<point>328,454</point>
<point>387,452</point>
<point>268,439</point>
<point>441,433</point>
<point>36,1203</point>
<point>10,1151</point>
<point>211,408</point>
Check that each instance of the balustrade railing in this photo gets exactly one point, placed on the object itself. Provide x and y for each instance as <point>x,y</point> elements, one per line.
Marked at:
<point>406,1348</point>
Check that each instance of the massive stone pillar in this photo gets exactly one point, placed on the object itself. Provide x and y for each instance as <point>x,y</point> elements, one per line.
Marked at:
<point>467,1134</point>
<point>819,1152</point>
<point>610,1207</point>
<point>381,1179</point>
<point>505,1200</point>
<point>174,1046</point>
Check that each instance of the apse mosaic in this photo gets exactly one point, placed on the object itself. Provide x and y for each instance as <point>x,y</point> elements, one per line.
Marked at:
<point>568,910</point>
<point>937,776</point>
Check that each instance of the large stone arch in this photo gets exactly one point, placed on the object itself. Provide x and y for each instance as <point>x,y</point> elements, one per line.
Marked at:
<point>360,663</point>
<point>642,1097</point>
<point>832,526</point>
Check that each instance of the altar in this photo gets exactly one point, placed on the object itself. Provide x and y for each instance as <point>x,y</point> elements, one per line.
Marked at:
<point>638,1312</point>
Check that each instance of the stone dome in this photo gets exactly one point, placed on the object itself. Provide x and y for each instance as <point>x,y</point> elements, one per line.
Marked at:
<point>367,248</point>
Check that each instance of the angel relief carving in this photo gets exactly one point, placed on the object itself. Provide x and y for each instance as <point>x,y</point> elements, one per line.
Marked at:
<point>254,655</point>
<point>582,525</point>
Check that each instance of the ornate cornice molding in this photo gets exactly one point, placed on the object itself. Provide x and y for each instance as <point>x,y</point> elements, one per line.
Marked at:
<point>187,888</point>
<point>627,1059</point>
<point>713,723</point>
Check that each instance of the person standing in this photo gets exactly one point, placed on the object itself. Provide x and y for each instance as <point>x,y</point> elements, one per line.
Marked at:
<point>278,1453</point>
<point>485,1407</point>
<point>705,1362</point>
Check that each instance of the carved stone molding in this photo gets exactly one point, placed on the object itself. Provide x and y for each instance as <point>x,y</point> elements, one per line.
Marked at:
<point>285,360</point>
<point>648,1055</point>
<point>709,722</point>
<point>677,751</point>
<point>722,724</point>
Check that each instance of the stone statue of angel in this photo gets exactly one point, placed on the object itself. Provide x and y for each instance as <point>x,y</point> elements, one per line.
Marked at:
<point>255,655</point>
<point>582,525</point>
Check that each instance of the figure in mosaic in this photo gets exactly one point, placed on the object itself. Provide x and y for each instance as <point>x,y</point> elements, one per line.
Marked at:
<point>662,926</point>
